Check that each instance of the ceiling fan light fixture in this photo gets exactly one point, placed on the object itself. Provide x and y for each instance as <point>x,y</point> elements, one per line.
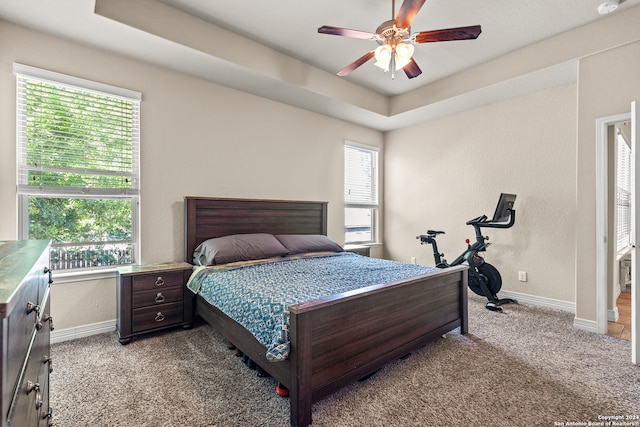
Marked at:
<point>404,52</point>
<point>608,6</point>
<point>383,56</point>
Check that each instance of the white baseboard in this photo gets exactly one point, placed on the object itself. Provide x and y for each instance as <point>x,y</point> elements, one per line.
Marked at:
<point>583,324</point>
<point>586,325</point>
<point>60,335</point>
<point>539,301</point>
<point>613,315</point>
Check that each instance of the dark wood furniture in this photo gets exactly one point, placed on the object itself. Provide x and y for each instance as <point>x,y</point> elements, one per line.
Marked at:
<point>25,333</point>
<point>152,297</point>
<point>339,339</point>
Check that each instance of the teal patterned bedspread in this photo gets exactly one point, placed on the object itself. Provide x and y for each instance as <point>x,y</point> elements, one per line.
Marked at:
<point>257,295</point>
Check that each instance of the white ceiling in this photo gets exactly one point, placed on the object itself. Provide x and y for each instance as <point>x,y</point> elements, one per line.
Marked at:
<point>290,27</point>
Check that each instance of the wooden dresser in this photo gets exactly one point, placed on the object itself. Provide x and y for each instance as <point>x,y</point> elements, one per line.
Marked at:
<point>25,332</point>
<point>153,297</point>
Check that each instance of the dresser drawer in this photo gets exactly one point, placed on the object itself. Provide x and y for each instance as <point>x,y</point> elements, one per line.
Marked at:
<point>158,316</point>
<point>157,297</point>
<point>161,280</point>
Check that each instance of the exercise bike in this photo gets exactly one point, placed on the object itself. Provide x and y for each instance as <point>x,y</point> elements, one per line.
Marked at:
<point>484,278</point>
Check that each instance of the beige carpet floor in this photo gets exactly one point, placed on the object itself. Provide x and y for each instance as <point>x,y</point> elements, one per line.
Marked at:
<point>525,367</point>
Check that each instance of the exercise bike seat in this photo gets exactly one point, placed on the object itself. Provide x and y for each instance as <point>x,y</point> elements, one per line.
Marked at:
<point>434,232</point>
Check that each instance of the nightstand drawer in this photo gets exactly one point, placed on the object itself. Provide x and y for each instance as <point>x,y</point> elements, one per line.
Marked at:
<point>157,296</point>
<point>160,280</point>
<point>158,316</point>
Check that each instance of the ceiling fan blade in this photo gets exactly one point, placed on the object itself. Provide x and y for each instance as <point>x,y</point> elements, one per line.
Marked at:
<point>355,64</point>
<point>411,69</point>
<point>346,32</point>
<point>408,12</point>
<point>449,34</point>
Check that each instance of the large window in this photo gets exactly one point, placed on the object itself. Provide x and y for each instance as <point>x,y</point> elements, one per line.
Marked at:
<point>623,193</point>
<point>78,168</point>
<point>360,193</point>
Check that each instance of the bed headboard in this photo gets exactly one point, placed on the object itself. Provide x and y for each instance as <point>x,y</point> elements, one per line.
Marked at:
<point>206,217</point>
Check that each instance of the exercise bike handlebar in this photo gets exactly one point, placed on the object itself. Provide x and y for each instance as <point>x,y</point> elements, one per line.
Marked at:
<point>481,221</point>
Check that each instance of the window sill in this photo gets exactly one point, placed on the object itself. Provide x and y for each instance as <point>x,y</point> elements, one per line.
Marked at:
<point>369,244</point>
<point>83,276</point>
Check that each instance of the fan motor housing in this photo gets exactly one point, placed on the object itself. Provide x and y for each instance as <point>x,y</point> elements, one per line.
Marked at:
<point>388,33</point>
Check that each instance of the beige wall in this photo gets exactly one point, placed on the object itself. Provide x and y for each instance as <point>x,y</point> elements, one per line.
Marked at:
<point>444,172</point>
<point>541,146</point>
<point>197,138</point>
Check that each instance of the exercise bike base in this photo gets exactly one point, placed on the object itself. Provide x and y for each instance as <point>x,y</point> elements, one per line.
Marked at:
<point>496,303</point>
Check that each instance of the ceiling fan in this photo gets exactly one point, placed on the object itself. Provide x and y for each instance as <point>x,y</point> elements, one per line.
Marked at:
<point>396,40</point>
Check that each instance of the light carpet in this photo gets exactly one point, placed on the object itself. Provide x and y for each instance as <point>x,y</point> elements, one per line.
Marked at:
<point>525,367</point>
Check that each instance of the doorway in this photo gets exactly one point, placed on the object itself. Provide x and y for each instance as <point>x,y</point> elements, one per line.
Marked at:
<point>605,235</point>
<point>619,230</point>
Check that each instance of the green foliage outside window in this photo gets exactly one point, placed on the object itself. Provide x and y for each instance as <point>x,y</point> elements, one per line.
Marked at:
<point>67,220</point>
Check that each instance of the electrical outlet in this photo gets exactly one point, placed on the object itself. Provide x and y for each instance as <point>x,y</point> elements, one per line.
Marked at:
<point>413,260</point>
<point>522,276</point>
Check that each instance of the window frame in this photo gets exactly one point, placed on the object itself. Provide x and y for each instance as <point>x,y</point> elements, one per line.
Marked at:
<point>374,204</point>
<point>24,192</point>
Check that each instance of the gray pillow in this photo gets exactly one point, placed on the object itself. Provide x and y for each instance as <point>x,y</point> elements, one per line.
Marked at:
<point>238,247</point>
<point>300,243</point>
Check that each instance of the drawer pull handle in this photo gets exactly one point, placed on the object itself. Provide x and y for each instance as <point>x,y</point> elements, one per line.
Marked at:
<point>47,318</point>
<point>159,317</point>
<point>31,307</point>
<point>48,416</point>
<point>159,281</point>
<point>49,361</point>
<point>159,298</point>
<point>35,387</point>
<point>48,270</point>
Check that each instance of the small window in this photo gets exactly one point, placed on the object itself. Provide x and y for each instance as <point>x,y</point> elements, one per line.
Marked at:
<point>360,193</point>
<point>78,168</point>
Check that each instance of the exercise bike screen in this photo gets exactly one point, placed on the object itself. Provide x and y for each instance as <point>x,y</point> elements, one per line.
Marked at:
<point>505,204</point>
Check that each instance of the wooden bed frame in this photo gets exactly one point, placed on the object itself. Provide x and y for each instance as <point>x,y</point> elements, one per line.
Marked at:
<point>336,340</point>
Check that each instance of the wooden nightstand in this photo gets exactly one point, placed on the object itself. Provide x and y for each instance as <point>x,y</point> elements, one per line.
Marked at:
<point>358,249</point>
<point>153,297</point>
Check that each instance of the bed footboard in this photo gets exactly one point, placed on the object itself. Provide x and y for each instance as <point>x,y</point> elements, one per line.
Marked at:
<point>338,340</point>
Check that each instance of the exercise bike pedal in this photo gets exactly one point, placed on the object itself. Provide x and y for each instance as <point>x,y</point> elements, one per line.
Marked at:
<point>493,307</point>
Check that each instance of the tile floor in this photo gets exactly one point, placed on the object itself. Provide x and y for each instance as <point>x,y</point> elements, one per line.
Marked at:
<point>622,328</point>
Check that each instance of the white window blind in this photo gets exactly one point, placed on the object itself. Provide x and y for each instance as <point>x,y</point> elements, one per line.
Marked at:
<point>360,193</point>
<point>623,193</point>
<point>78,168</point>
<point>360,176</point>
<point>74,140</point>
